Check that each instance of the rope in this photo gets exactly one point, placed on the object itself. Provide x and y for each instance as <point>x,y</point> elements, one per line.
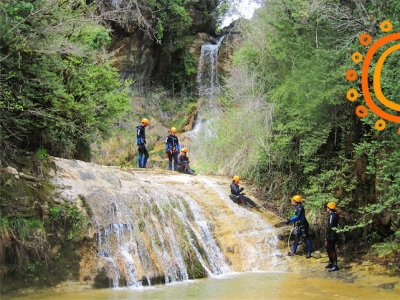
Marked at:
<point>290,250</point>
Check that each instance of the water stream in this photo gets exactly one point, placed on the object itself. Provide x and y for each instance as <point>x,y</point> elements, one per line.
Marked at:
<point>207,71</point>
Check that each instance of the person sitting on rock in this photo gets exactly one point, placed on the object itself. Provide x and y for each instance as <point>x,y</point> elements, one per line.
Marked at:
<point>238,197</point>
<point>183,163</point>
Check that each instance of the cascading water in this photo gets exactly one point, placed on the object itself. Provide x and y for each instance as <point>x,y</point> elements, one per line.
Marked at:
<point>207,71</point>
<point>160,228</point>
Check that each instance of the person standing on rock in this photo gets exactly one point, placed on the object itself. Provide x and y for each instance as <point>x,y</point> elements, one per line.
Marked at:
<point>172,148</point>
<point>301,229</point>
<point>141,143</point>
<point>331,236</point>
<point>238,197</point>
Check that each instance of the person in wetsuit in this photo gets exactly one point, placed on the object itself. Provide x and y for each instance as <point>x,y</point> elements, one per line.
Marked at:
<point>141,143</point>
<point>172,148</point>
<point>183,163</point>
<point>331,237</point>
<point>301,225</point>
<point>237,197</point>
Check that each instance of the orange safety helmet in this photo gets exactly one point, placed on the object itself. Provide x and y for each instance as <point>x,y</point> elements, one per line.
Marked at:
<point>331,205</point>
<point>184,150</point>
<point>236,178</point>
<point>145,121</point>
<point>296,198</point>
<point>173,129</point>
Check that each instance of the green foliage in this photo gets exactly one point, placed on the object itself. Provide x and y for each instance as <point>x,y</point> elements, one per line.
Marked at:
<point>69,222</point>
<point>183,69</point>
<point>57,89</point>
<point>294,57</point>
<point>174,22</point>
<point>26,240</point>
<point>41,154</point>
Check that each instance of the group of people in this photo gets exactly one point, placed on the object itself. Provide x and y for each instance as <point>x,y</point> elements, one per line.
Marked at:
<point>300,222</point>
<point>179,161</point>
<point>172,147</point>
<point>301,230</point>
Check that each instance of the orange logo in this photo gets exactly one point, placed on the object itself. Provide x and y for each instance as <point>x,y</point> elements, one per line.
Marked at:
<point>352,94</point>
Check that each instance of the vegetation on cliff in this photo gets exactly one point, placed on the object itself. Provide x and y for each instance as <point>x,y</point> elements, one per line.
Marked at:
<point>288,126</point>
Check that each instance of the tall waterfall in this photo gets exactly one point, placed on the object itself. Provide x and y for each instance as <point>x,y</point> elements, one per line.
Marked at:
<point>207,72</point>
<point>151,227</point>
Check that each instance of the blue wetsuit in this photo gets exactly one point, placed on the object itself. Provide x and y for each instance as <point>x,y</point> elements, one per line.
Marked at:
<point>141,143</point>
<point>301,227</point>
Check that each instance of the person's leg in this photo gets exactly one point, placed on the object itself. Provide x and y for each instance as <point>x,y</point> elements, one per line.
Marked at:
<point>334,257</point>
<point>296,240</point>
<point>170,161</point>
<point>175,155</point>
<point>140,159</point>
<point>304,233</point>
<point>146,156</point>
<point>251,202</point>
<point>329,252</point>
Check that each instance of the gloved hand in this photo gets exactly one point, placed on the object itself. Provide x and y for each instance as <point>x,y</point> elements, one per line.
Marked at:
<point>287,222</point>
<point>241,189</point>
<point>144,141</point>
<point>141,147</point>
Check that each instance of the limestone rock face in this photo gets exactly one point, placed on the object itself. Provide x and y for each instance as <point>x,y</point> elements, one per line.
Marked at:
<point>138,56</point>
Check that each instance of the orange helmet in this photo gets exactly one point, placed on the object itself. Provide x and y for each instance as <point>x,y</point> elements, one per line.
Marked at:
<point>236,178</point>
<point>184,150</point>
<point>145,121</point>
<point>173,129</point>
<point>296,198</point>
<point>331,205</point>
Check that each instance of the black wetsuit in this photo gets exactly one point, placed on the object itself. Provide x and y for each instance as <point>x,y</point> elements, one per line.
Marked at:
<point>235,191</point>
<point>331,237</point>
<point>183,164</point>
<point>172,147</point>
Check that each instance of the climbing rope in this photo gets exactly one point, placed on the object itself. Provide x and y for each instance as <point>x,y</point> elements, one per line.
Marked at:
<point>290,250</point>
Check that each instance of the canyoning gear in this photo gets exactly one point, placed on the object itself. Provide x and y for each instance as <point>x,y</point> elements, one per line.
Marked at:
<point>331,238</point>
<point>184,150</point>
<point>183,164</point>
<point>331,205</point>
<point>236,178</point>
<point>173,130</point>
<point>141,143</point>
<point>308,255</point>
<point>329,266</point>
<point>334,268</point>
<point>301,226</point>
<point>145,121</point>
<point>296,198</point>
<point>237,192</point>
<point>172,148</point>
<point>291,254</point>
<point>287,222</point>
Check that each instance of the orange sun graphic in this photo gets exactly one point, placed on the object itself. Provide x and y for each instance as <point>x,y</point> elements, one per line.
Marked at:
<point>352,94</point>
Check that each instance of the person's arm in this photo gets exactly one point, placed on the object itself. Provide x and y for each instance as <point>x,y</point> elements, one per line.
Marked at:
<point>295,218</point>
<point>166,144</point>
<point>329,228</point>
<point>138,136</point>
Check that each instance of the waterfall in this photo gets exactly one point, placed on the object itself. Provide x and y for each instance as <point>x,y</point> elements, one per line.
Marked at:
<point>207,72</point>
<point>162,228</point>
